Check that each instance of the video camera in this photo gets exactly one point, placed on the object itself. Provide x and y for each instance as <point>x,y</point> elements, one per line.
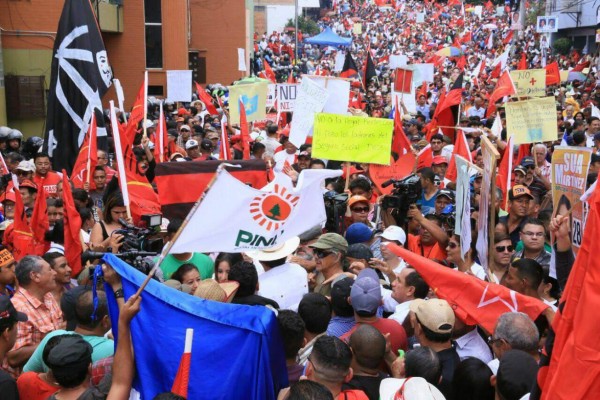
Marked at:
<point>136,238</point>
<point>406,191</point>
<point>335,208</point>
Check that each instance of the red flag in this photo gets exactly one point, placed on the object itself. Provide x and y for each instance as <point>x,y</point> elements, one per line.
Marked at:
<point>504,87</point>
<point>73,246</point>
<point>574,369</point>
<point>22,238</point>
<point>87,159</point>
<point>446,113</point>
<point>182,379</point>
<point>461,63</point>
<point>224,150</point>
<point>206,100</point>
<point>349,70</point>
<point>425,157</point>
<point>496,71</point>
<point>403,80</point>
<point>291,78</point>
<point>581,66</point>
<point>452,3</point>
<point>461,148</point>
<point>489,5</point>
<point>161,147</point>
<point>524,151</point>
<point>474,301</point>
<point>368,71</point>
<point>503,178</point>
<point>552,74</point>
<point>400,143</point>
<point>39,223</point>
<point>269,74</point>
<point>244,132</point>
<point>522,62</point>
<point>422,90</point>
<point>508,37</point>
<point>136,115</point>
<point>466,38</point>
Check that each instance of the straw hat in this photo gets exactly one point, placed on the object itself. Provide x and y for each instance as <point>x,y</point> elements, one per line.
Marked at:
<point>223,292</point>
<point>276,252</point>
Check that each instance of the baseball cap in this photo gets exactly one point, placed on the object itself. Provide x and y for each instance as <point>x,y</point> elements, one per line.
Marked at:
<point>27,166</point>
<point>191,144</point>
<point>212,134</point>
<point>439,160</point>
<point>358,233</point>
<point>172,132</point>
<point>435,314</point>
<point>394,233</point>
<point>415,138</point>
<point>447,193</point>
<point>8,196</point>
<point>182,111</point>
<point>29,184</point>
<point>357,199</point>
<point>365,294</point>
<point>360,251</point>
<point>331,241</point>
<point>206,144</point>
<point>304,154</point>
<point>521,169</point>
<point>185,127</point>
<point>70,351</point>
<point>8,313</point>
<point>527,161</point>
<point>518,191</point>
<point>414,388</point>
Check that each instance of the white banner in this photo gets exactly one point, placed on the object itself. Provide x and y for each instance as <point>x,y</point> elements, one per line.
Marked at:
<point>462,224</point>
<point>254,219</point>
<point>310,100</point>
<point>179,85</point>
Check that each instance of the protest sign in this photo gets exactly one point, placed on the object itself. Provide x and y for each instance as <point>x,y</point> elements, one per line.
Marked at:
<point>340,58</point>
<point>532,120</point>
<point>310,99</point>
<point>241,60</point>
<point>398,60</point>
<point>403,80</point>
<point>530,82</point>
<point>357,139</point>
<point>339,93</point>
<point>546,24</point>
<point>286,96</point>
<point>569,177</point>
<point>399,169</point>
<point>462,225</point>
<point>271,95</point>
<point>179,85</point>
<point>487,220</point>
<point>254,97</point>
<point>357,28</point>
<point>422,73</point>
<point>420,18</point>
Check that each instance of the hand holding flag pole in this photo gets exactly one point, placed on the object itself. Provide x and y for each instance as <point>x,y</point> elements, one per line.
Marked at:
<point>187,219</point>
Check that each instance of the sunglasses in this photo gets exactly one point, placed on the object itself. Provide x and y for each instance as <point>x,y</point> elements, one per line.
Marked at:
<point>502,249</point>
<point>22,173</point>
<point>360,209</point>
<point>322,253</point>
<point>185,130</point>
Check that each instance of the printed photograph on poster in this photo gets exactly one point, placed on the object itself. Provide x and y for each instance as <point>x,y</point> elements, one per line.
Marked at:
<point>547,24</point>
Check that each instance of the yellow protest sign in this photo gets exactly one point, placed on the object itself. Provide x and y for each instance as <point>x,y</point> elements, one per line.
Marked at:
<point>357,139</point>
<point>357,28</point>
<point>564,75</point>
<point>530,82</point>
<point>532,120</point>
<point>254,97</point>
<point>569,177</point>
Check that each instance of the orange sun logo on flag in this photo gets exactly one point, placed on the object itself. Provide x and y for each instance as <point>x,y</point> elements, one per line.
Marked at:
<point>271,210</point>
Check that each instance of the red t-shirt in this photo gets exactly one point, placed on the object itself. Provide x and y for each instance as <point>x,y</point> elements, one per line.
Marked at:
<point>32,387</point>
<point>397,333</point>
<point>48,182</point>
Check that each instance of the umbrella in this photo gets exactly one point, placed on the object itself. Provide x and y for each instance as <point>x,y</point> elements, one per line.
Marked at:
<point>450,52</point>
<point>250,80</point>
<point>576,76</point>
<point>490,26</point>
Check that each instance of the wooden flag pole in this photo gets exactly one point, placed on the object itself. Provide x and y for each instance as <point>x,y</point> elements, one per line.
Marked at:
<point>186,221</point>
<point>89,155</point>
<point>489,147</point>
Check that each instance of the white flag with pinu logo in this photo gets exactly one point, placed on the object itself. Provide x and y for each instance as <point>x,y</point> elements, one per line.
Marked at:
<point>234,217</point>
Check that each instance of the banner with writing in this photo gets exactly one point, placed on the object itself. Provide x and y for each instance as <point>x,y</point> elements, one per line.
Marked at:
<point>530,82</point>
<point>357,139</point>
<point>286,96</point>
<point>569,176</point>
<point>532,120</point>
<point>311,99</point>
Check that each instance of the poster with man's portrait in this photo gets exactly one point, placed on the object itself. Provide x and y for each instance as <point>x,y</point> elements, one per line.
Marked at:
<point>546,24</point>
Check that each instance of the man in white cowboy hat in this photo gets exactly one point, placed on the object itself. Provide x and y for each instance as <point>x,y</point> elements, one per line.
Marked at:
<point>282,281</point>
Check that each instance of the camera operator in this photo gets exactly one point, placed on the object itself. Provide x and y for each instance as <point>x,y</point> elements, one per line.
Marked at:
<point>432,241</point>
<point>102,237</point>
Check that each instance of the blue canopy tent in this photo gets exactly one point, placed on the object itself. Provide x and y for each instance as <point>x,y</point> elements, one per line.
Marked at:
<point>328,38</point>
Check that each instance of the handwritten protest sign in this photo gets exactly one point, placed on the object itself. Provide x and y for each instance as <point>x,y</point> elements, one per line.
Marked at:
<point>357,139</point>
<point>286,96</point>
<point>569,176</point>
<point>254,97</point>
<point>179,85</point>
<point>530,82</point>
<point>310,99</point>
<point>339,93</point>
<point>532,120</point>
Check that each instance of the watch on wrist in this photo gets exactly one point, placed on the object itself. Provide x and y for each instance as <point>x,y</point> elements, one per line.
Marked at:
<point>119,294</point>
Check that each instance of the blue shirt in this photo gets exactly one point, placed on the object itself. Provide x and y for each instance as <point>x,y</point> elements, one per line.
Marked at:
<point>338,326</point>
<point>427,206</point>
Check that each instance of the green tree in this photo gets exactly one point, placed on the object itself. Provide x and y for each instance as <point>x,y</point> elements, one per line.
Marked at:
<point>275,212</point>
<point>562,46</point>
<point>306,25</point>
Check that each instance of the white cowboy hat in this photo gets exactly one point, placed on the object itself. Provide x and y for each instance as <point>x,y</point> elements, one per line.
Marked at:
<point>412,389</point>
<point>276,252</point>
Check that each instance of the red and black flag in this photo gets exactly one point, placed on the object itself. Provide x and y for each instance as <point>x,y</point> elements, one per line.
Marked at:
<point>446,113</point>
<point>368,72</point>
<point>349,70</point>
<point>80,76</point>
<point>180,186</point>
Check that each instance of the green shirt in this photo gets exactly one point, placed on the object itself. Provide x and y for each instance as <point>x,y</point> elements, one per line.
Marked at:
<point>101,346</point>
<point>205,265</point>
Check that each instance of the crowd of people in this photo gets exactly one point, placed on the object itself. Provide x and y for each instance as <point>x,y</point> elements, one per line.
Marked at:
<point>356,320</point>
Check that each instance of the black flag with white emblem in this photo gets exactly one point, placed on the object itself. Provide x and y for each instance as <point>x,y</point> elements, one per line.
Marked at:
<point>80,76</point>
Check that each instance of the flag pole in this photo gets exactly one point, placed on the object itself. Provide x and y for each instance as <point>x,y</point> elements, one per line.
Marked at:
<point>89,155</point>
<point>145,103</point>
<point>186,221</point>
<point>119,154</point>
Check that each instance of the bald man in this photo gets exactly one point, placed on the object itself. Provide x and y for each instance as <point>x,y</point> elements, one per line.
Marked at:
<point>368,350</point>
